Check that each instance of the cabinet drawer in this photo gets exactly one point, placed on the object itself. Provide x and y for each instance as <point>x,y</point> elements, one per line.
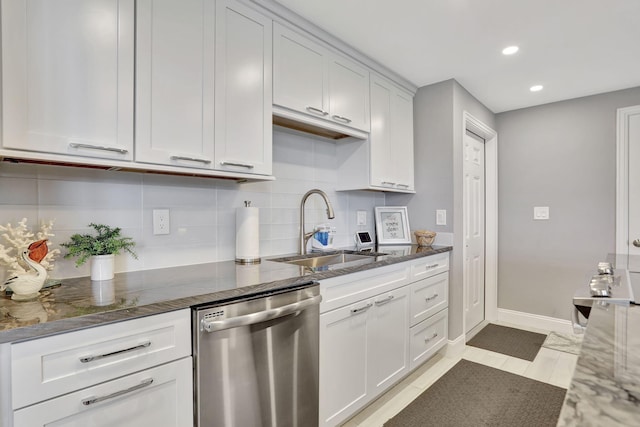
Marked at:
<point>48,367</point>
<point>428,296</point>
<point>154,397</point>
<point>430,266</point>
<point>343,290</point>
<point>428,337</point>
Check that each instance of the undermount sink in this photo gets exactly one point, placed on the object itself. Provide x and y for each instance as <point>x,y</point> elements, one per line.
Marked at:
<point>330,261</point>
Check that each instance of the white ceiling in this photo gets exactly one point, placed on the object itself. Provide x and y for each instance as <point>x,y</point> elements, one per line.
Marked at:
<point>572,47</point>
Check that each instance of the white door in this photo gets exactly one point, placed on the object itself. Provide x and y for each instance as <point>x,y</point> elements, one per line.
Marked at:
<point>628,188</point>
<point>348,93</point>
<point>474,232</point>
<point>633,135</point>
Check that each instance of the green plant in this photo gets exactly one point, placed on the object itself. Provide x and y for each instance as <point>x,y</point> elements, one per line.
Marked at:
<point>107,241</point>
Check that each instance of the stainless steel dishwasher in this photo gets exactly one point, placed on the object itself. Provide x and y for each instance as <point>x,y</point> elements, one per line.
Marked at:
<point>256,361</point>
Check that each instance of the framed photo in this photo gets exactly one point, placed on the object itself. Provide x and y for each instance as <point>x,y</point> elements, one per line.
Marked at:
<point>392,225</point>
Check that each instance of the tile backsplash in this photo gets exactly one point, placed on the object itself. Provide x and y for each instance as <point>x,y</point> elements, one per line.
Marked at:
<point>202,210</point>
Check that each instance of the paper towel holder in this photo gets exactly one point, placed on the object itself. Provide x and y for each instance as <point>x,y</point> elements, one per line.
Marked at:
<point>244,260</point>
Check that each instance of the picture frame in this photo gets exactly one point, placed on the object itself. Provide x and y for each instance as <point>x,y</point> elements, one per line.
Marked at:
<point>392,225</point>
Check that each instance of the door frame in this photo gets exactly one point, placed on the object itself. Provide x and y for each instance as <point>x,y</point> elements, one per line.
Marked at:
<point>491,215</point>
<point>622,178</point>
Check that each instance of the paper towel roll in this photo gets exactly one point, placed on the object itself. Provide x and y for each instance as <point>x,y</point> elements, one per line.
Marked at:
<point>247,235</point>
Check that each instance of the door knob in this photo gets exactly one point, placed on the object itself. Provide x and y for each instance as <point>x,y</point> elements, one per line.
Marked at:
<point>636,243</point>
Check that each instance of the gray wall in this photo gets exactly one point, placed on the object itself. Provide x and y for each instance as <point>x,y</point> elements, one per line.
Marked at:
<point>561,155</point>
<point>438,126</point>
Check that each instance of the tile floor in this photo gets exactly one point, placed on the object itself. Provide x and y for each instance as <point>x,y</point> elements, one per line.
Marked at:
<point>549,366</point>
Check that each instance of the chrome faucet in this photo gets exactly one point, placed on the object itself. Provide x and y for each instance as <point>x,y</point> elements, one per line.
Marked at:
<point>304,237</point>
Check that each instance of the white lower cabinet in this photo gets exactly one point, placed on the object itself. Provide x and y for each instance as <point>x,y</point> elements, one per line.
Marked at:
<point>132,373</point>
<point>161,396</point>
<point>363,350</point>
<point>369,341</point>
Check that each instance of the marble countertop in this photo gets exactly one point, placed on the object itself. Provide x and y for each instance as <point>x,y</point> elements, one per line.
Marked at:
<point>80,303</point>
<point>605,388</point>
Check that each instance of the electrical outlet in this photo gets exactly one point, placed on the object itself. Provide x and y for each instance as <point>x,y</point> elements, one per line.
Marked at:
<point>441,217</point>
<point>361,217</point>
<point>161,221</point>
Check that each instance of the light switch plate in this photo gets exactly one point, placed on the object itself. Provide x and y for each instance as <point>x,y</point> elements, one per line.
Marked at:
<point>541,212</point>
<point>441,217</point>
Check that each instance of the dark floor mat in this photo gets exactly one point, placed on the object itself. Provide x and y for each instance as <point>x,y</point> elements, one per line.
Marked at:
<point>509,341</point>
<point>473,395</point>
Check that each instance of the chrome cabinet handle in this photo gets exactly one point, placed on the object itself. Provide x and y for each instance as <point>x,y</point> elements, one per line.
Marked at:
<point>242,165</point>
<point>191,159</point>
<point>98,147</point>
<point>435,335</point>
<point>361,309</point>
<point>341,119</point>
<point>431,298</point>
<point>428,267</point>
<point>317,111</point>
<point>260,316</point>
<point>388,183</point>
<point>384,301</point>
<point>88,359</point>
<point>91,400</point>
<point>636,243</point>
<point>403,185</point>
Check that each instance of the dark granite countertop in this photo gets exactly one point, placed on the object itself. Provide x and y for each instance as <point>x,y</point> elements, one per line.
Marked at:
<point>80,303</point>
<point>605,388</point>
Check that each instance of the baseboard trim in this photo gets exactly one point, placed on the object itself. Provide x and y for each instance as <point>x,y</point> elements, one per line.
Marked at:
<point>455,348</point>
<point>534,321</point>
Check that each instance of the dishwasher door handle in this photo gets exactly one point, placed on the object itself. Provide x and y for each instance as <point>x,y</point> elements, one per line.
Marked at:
<point>260,316</point>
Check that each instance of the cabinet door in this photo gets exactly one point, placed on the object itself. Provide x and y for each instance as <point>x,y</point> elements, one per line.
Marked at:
<point>160,396</point>
<point>382,163</point>
<point>402,139</point>
<point>299,75</point>
<point>67,76</point>
<point>348,93</point>
<point>389,340</point>
<point>343,361</point>
<point>174,87</point>
<point>243,89</point>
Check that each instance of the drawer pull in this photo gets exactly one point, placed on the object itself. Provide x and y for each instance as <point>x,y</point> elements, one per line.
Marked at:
<point>431,298</point>
<point>98,147</point>
<point>317,111</point>
<point>191,159</point>
<point>361,309</point>
<point>403,185</point>
<point>91,400</point>
<point>88,359</point>
<point>435,335</point>
<point>430,266</point>
<point>384,301</point>
<point>240,165</point>
<point>341,119</point>
<point>388,183</point>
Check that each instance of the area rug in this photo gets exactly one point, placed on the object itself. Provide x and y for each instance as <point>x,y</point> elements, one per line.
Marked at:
<point>509,341</point>
<point>568,343</point>
<point>473,395</point>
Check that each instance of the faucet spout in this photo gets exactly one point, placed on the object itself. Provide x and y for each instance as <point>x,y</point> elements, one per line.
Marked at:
<point>304,237</point>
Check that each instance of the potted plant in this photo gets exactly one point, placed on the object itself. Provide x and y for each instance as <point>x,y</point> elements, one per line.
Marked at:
<point>99,249</point>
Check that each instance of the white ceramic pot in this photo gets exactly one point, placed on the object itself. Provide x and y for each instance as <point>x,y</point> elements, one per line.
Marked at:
<point>101,267</point>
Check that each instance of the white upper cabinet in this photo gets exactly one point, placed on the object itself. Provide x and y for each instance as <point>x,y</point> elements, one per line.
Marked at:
<point>175,82</point>
<point>204,86</point>
<point>317,86</point>
<point>67,77</point>
<point>385,161</point>
<point>243,85</point>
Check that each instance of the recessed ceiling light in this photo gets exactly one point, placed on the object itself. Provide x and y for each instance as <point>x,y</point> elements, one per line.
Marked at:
<point>510,50</point>
<point>536,88</point>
